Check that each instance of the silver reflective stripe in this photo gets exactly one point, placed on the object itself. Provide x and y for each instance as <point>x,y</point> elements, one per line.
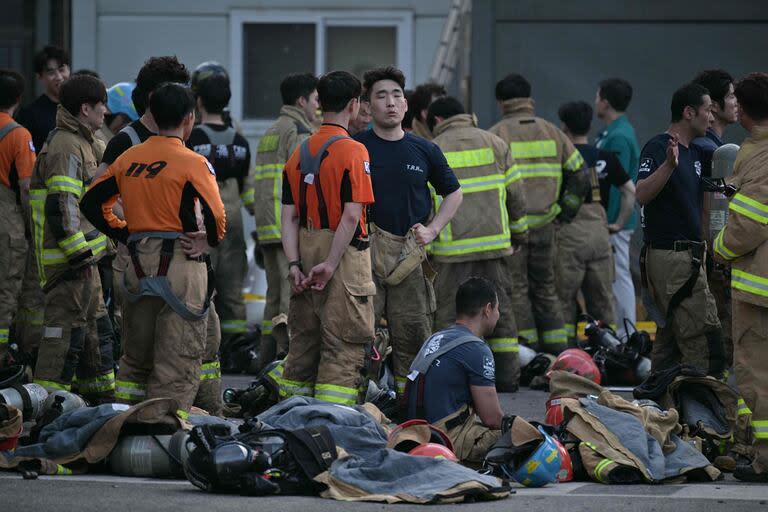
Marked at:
<point>749,282</point>
<point>131,132</point>
<point>73,165</point>
<point>459,246</point>
<point>5,130</point>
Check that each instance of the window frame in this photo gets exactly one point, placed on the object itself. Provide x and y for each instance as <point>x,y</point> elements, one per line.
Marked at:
<point>399,19</point>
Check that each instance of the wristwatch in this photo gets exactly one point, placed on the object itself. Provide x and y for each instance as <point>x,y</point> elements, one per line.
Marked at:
<point>295,263</point>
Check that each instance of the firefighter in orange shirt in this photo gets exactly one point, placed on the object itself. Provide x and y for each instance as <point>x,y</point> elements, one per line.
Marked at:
<point>161,183</point>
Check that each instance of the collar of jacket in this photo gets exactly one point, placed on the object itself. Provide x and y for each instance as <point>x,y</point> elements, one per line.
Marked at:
<point>457,121</point>
<point>518,107</point>
<point>759,133</point>
<point>421,129</point>
<point>297,115</point>
<point>67,121</point>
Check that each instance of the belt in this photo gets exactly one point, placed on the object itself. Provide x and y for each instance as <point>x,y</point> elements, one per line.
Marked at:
<point>457,421</point>
<point>360,244</point>
<point>677,245</point>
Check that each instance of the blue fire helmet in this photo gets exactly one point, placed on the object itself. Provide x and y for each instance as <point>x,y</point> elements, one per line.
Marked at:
<point>119,100</point>
<point>542,467</point>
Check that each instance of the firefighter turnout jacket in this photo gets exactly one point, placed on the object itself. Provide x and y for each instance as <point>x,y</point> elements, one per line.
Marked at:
<point>493,192</point>
<point>548,161</point>
<point>275,147</point>
<point>64,239</point>
<point>743,242</point>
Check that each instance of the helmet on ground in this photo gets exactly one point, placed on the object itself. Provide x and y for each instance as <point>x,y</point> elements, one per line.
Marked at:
<point>207,70</point>
<point>434,450</point>
<point>575,360</point>
<point>415,433</point>
<point>554,414</point>
<point>542,467</point>
<point>566,465</point>
<point>119,100</point>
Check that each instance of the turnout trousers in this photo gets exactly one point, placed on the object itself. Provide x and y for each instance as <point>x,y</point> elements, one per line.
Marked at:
<point>76,349</point>
<point>162,351</point>
<point>503,340</point>
<point>13,259</point>
<point>407,307</point>
<point>331,330</point>
<point>535,302</point>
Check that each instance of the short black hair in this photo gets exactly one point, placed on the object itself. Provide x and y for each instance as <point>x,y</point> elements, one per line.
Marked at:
<point>378,74</point>
<point>407,123</point>
<point>86,71</point>
<point>50,52</point>
<point>576,116</point>
<point>336,89</point>
<point>445,107</point>
<point>79,89</point>
<point>215,93</point>
<point>689,95</point>
<point>169,103</point>
<point>717,82</point>
<point>299,85</point>
<point>513,86</point>
<point>156,71</point>
<point>617,91</point>
<point>11,88</point>
<point>752,93</point>
<point>473,295</point>
<point>422,97</point>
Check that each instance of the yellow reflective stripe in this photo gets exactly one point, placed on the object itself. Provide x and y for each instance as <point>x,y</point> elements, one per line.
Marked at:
<point>64,184</point>
<point>50,385</point>
<point>270,232</point>
<point>234,326</point>
<point>470,245</point>
<point>503,345</point>
<point>482,183</point>
<point>520,225</point>
<point>130,391</point>
<point>600,468</point>
<point>760,428</point>
<point>57,256</point>
<point>336,394</point>
<point>537,221</point>
<point>542,170</point>
<point>37,204</point>
<point>98,244</point>
<point>181,413</point>
<point>749,283</point>
<point>748,207</point>
<point>248,197</point>
<point>4,333</point>
<point>268,143</point>
<point>267,171</point>
<point>570,330</point>
<point>294,387</point>
<point>97,384</point>
<point>74,243</point>
<point>513,174</point>
<point>266,326</point>
<point>529,334</point>
<point>62,470</point>
<point>574,162</point>
<point>400,383</point>
<point>533,149</point>
<point>743,409</point>
<point>554,336</point>
<point>210,371</point>
<point>470,158</point>
<point>720,248</point>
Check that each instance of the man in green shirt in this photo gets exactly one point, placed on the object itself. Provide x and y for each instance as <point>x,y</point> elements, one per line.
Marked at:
<point>612,99</point>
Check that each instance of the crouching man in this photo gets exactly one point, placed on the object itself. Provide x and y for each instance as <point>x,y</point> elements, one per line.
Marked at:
<point>452,380</point>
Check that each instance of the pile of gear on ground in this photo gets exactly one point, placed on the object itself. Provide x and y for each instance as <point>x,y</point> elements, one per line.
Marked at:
<point>678,424</point>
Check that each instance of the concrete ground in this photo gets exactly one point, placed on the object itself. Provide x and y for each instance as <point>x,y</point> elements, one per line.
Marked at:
<point>100,493</point>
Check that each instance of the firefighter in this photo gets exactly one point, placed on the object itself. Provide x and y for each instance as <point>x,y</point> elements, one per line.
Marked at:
<point>451,381</point>
<point>418,105</point>
<point>326,187</point>
<point>77,333</point>
<point>160,183</point>
<point>293,126</point>
<point>556,181</point>
<point>229,154</point>
<point>17,156</point>
<point>743,243</point>
<point>584,259</point>
<point>671,194</point>
<point>493,191</point>
<point>403,166</point>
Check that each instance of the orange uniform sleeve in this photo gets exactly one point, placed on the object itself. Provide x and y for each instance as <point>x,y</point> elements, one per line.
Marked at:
<point>25,156</point>
<point>203,180</point>
<point>360,175</point>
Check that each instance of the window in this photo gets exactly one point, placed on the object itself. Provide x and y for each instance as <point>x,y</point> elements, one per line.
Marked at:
<point>267,45</point>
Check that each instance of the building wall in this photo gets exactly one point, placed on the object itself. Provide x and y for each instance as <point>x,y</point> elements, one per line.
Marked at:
<point>565,48</point>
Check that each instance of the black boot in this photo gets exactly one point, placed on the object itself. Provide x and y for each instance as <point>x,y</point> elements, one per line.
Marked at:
<point>747,473</point>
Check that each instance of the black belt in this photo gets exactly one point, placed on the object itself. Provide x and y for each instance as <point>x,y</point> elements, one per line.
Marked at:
<point>677,245</point>
<point>458,420</point>
<point>360,244</point>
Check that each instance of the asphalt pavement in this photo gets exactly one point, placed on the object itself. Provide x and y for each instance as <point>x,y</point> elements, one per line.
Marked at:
<point>104,493</point>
